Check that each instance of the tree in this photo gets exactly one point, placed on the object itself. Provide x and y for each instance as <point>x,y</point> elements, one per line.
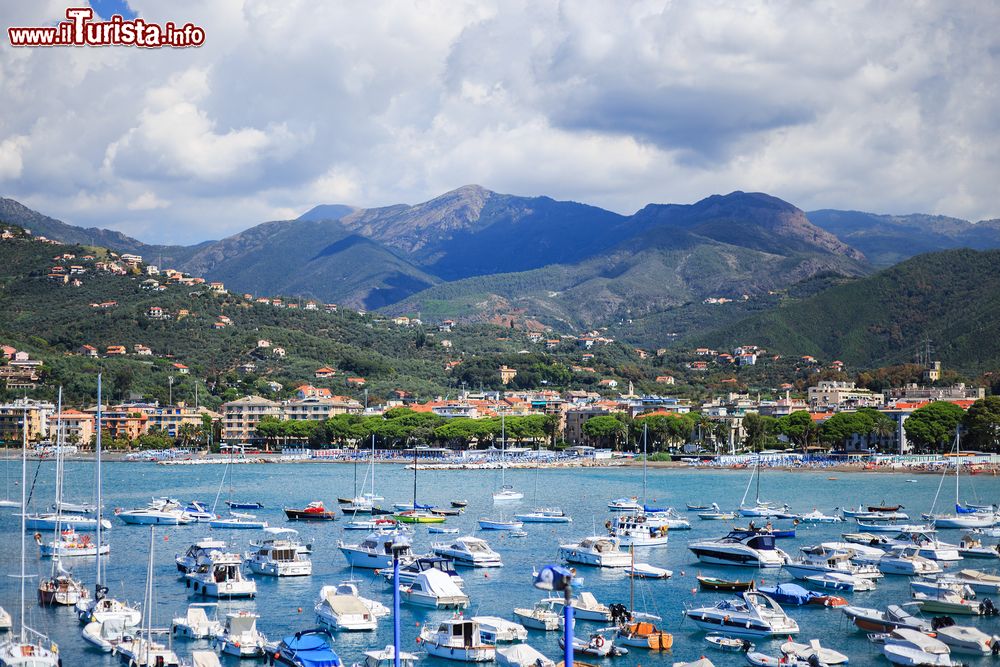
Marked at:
<point>760,431</point>
<point>607,429</point>
<point>982,425</point>
<point>933,426</point>
<point>798,427</point>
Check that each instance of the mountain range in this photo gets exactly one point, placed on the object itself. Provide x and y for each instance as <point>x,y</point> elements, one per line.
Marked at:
<point>480,255</point>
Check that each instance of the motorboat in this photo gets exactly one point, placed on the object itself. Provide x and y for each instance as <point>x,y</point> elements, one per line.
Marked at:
<point>635,531</point>
<point>350,587</point>
<point>362,505</point>
<point>496,630</point>
<point>197,512</point>
<point>343,610</point>
<point>766,510</point>
<point>248,505</point>
<point>695,507</point>
<point>444,511</point>
<point>805,652</point>
<point>188,562</point>
<point>907,561</point>
<point>6,622</point>
<point>789,593</point>
<point>597,550</point>
<point>818,517</point>
<point>740,547</point>
<point>471,551</point>
<point>544,515</point>
<point>909,647</point>
<point>159,512</point>
<point>965,639</point>
<point>863,512</point>
<point>196,623</point>
<point>408,573</point>
<point>829,561</point>
<point>418,516</point>
<point>729,644</point>
<point>978,581</point>
<point>309,648</point>
<point>859,553</point>
<point>61,589</point>
<point>596,646</point>
<point>752,615</point>
<point>713,513</point>
<point>49,522</point>
<point>144,652</point>
<point>387,658</point>
<point>70,544</point>
<point>371,524</point>
<point>67,507</point>
<point>240,637</point>
<point>522,655</point>
<point>716,584</point>
<point>507,494</point>
<point>585,607</point>
<point>278,556</point>
<point>459,504</point>
<point>947,601</point>
<point>840,581</point>
<point>433,588</point>
<point>643,634</point>
<point>647,571</point>
<point>889,526</point>
<point>457,639</point>
<point>443,530</point>
<point>660,517</point>
<point>238,521</point>
<point>106,635</point>
<point>625,505</point>
<point>971,546</point>
<point>499,524</point>
<point>874,620</point>
<point>105,608</point>
<point>220,575</point>
<point>929,545</point>
<point>540,617</point>
<point>314,511</point>
<point>375,551</point>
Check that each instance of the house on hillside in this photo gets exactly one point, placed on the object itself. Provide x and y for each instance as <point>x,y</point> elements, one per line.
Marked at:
<point>181,368</point>
<point>263,343</point>
<point>217,287</point>
<point>665,379</point>
<point>142,350</point>
<point>247,368</point>
<point>7,352</point>
<point>156,313</point>
<point>324,372</point>
<point>356,381</point>
<point>278,352</point>
<point>115,350</point>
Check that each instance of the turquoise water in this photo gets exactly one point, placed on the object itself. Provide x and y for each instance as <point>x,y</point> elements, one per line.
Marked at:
<point>583,493</point>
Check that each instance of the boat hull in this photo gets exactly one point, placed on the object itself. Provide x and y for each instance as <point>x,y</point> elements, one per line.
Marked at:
<point>364,559</point>
<point>302,515</point>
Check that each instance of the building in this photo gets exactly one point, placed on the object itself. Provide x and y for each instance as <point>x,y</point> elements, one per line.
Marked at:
<point>78,427</point>
<point>116,350</point>
<point>836,395</point>
<point>240,418</point>
<point>912,393</point>
<point>124,422</point>
<point>38,413</point>
<point>325,372</point>
<point>181,368</point>
<point>309,391</point>
<point>576,418</point>
<point>665,379</point>
<point>169,419</point>
<point>87,350</point>
<point>507,374</point>
<point>319,408</point>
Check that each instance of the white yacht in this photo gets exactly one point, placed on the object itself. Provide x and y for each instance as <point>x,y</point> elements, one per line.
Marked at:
<point>343,610</point>
<point>585,607</point>
<point>457,639</point>
<point>471,551</point>
<point>754,614</point>
<point>496,630</point>
<point>740,547</point>
<point>634,531</point>
<point>911,647</point>
<point>929,545</point>
<point>240,636</point>
<point>812,563</point>
<point>597,550</point>
<point>188,562</point>
<point>544,515</point>
<point>387,658</point>
<point>434,588</point>
<point>220,575</point>
<point>907,561</point>
<point>374,552</point>
<point>965,639</point>
<point>978,581</point>
<point>70,544</point>
<point>279,556</point>
<point>78,522</point>
<point>407,573</point>
<point>350,587</point>
<point>201,621</point>
<point>625,505</point>
<point>104,608</point>
<point>540,617</point>
<point>159,512</point>
<point>144,652</point>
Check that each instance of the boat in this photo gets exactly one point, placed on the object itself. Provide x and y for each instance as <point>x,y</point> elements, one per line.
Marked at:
<point>442,511</point>
<point>544,515</point>
<point>7,501</point>
<point>740,547</point>
<point>729,644</point>
<point>507,493</point>
<point>752,615</point>
<point>647,571</point>
<point>457,639</point>
<point>522,655</point>
<point>220,575</point>
<point>965,639</point>
<point>964,517</point>
<point>237,505</point>
<point>196,622</point>
<point>596,550</point>
<point>789,593</point>
<point>387,658</point>
<point>811,563</point>
<point>67,507</point>
<point>874,620</point>
<point>694,507</point>
<point>947,601</point>
<point>636,629</point>
<point>907,561</point>
<point>978,581</point>
<point>27,647</point>
<point>460,503</point>
<point>418,516</point>
<point>928,545</point>
<point>818,517</point>
<point>443,530</point>
<point>371,524</point>
<point>408,573</point>
<point>278,556</point>
<point>760,508</point>
<point>197,512</point>
<point>540,617</point>
<point>70,544</point>
<point>308,648</point>
<point>909,647</point>
<point>860,553</point>
<point>240,637</point>
<point>805,652</point>
<point>159,512</point>
<point>713,513</point>
<point>433,588</point>
<point>6,621</point>
<point>105,635</point>
<point>343,609</point>
<point>496,630</point>
<point>314,511</point>
<point>585,607</point>
<point>499,524</point>
<point>840,581</point>
<point>866,513</point>
<point>625,505</point>
<point>77,522</point>
<point>188,562</point>
<point>597,646</point>
<point>715,584</point>
<point>889,526</point>
<point>375,551</point>
<point>237,521</point>
<point>470,551</point>
<point>634,530</point>
<point>104,608</point>
<point>971,546</point>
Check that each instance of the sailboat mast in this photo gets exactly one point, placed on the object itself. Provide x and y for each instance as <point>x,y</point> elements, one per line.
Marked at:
<point>958,464</point>
<point>645,457</point>
<point>414,477</point>
<point>98,495</point>
<point>24,509</point>
<point>59,475</point>
<point>503,450</point>
<point>757,468</point>
<point>373,468</point>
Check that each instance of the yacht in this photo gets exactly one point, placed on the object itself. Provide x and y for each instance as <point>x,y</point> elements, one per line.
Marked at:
<point>220,575</point>
<point>197,512</point>
<point>929,545</point>
<point>374,552</point>
<point>433,588</point>
<point>278,557</point>
<point>907,561</point>
<point>910,647</point>
<point>499,524</point>
<point>387,658</point>
<point>409,572</point>
<point>105,608</point>
<point>965,639</point>
<point>238,521</point>
<point>540,617</point>
<point>634,531</point>
<point>350,587</point>
<point>812,563</point>
<point>69,544</point>
<point>240,637</point>
<point>196,623</point>
<point>544,515</point>
<point>470,551</point>
<point>625,505</point>
<point>585,607</point>
<point>43,522</point>
<point>818,517</point>
<point>106,635</point>
<point>507,494</point>
<point>597,550</point>
<point>978,581</point>
<point>874,620</point>
<point>61,589</point>
<point>314,511</point>
<point>144,652</point>
<point>188,562</point>
<point>457,639</point>
<point>740,547</point>
<point>754,614</point>
<point>496,630</point>
<point>159,512</point>
<point>340,609</point>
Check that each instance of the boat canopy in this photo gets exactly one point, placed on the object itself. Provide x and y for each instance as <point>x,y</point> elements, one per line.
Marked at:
<point>310,650</point>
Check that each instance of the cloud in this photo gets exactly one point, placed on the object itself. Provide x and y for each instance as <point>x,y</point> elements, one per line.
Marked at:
<point>289,104</point>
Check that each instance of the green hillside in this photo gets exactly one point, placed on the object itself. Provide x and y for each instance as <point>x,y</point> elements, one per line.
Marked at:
<point>951,298</point>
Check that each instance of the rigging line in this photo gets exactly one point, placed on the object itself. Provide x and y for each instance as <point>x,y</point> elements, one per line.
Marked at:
<point>31,490</point>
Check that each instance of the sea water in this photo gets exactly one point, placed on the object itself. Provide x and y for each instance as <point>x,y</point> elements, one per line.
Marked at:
<point>285,605</point>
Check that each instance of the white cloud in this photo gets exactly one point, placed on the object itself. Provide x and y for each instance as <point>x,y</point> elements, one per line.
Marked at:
<point>290,104</point>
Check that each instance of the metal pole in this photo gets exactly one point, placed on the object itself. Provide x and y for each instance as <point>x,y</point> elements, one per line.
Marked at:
<point>568,629</point>
<point>395,609</point>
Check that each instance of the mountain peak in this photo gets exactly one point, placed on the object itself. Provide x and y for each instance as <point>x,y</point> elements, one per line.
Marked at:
<point>328,212</point>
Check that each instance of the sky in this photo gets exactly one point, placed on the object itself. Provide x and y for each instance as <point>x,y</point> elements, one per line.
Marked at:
<point>886,107</point>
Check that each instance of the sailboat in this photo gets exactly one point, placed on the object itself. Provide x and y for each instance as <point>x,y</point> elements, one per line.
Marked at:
<point>235,520</point>
<point>644,528</point>
<point>963,517</point>
<point>417,515</point>
<point>27,648</point>
<point>542,514</point>
<point>60,588</point>
<point>506,493</point>
<point>759,508</point>
<point>238,504</point>
<point>636,629</point>
<point>101,608</point>
<point>365,502</point>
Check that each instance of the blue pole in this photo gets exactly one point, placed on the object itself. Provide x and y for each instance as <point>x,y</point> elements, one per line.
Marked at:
<point>567,630</point>
<point>395,610</point>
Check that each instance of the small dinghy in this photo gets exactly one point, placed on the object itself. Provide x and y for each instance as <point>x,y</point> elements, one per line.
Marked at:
<point>540,617</point>
<point>730,644</point>
<point>841,581</point>
<point>716,584</point>
<point>522,655</point>
<point>647,571</point>
<point>460,503</point>
<point>697,508</point>
<point>826,656</point>
<point>441,530</point>
<point>597,646</point>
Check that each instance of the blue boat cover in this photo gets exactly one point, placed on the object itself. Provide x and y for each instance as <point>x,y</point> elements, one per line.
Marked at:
<point>647,508</point>
<point>310,651</point>
<point>963,510</point>
<point>788,593</point>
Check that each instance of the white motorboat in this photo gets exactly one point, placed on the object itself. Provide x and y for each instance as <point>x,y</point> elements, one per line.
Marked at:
<point>197,512</point>
<point>740,547</point>
<point>371,524</point>
<point>904,646</point>
<point>374,552</point>
<point>238,521</point>
<point>240,637</point>
<point>507,494</point>
<point>907,561</point>
<point>343,611</point>
<point>457,639</point>
<point>499,524</point>
<point>144,652</point>
<point>625,505</point>
<point>442,530</point>
<point>75,508</point>
<point>765,510</point>
<point>812,563</point>
<point>585,607</point>
<point>965,639</point>
<point>894,617</point>
<point>540,617</point>
<point>978,581</point>
<point>657,517</point>
<point>387,658</point>
<point>876,526</point>
<point>544,515</point>
<point>188,562</point>
<point>496,630</point>
<point>6,622</point>
<point>596,646</point>
<point>201,621</point>
<point>107,635</point>
<point>350,587</point>
<point>220,575</point>
<point>717,516</point>
<point>433,588</point>
<point>279,556</point>
<point>947,601</point>
<point>647,571</point>
<point>840,581</point>
<point>805,652</point>
<point>971,546</point>
<point>104,609</point>
<point>70,544</point>
<point>860,553</point>
<point>408,573</point>
<point>522,655</point>
<point>754,614</point>
<point>818,517</point>
<point>929,545</point>
<point>636,531</point>
<point>77,522</point>
<point>468,550</point>
<point>160,512</point>
<point>596,550</point>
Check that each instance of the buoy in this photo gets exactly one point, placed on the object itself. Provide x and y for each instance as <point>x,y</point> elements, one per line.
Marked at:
<point>300,610</point>
<point>693,591</point>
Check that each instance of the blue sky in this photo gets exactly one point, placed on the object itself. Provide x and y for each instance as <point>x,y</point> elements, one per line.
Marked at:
<point>875,106</point>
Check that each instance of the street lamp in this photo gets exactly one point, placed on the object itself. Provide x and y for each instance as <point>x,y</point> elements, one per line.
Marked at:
<point>559,578</point>
<point>400,545</point>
